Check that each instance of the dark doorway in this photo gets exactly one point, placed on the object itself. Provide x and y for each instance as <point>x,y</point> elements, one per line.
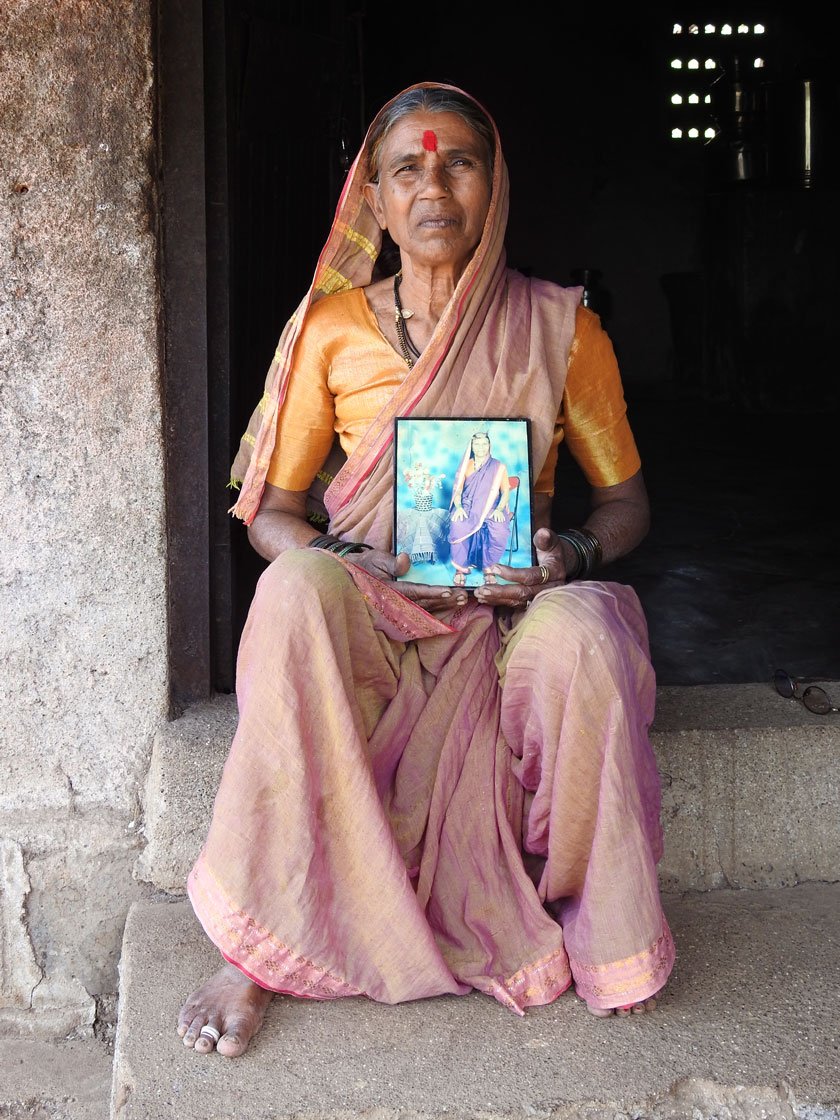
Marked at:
<point>718,293</point>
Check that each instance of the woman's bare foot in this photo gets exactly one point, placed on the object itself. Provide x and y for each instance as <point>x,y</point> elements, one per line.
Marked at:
<point>230,1004</point>
<point>622,1012</point>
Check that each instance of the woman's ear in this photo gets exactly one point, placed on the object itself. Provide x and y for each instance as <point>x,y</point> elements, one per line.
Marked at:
<point>371,193</point>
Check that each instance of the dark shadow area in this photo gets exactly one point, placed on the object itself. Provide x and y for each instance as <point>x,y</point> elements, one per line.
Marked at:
<point>713,267</point>
<point>739,574</point>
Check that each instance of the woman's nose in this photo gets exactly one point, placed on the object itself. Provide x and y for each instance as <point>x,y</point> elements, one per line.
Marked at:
<point>435,180</point>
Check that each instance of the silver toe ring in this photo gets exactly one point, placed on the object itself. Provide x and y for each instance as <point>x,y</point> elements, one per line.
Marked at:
<point>210,1032</point>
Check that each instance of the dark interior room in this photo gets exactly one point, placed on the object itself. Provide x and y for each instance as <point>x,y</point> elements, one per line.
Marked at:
<point>678,164</point>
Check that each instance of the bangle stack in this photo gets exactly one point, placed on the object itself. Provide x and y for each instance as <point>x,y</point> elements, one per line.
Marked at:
<point>587,548</point>
<point>337,545</point>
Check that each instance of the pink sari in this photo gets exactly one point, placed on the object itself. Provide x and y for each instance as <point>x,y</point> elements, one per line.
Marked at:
<point>415,804</point>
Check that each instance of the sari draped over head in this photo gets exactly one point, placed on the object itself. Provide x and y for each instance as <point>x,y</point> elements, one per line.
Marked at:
<point>417,804</point>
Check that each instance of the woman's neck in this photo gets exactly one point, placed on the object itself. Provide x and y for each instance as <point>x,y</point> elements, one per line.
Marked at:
<point>427,291</point>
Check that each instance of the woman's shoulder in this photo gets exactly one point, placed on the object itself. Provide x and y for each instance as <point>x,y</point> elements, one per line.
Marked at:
<point>349,303</point>
<point>550,293</point>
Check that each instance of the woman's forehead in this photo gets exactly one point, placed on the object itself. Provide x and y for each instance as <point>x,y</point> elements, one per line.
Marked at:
<point>421,131</point>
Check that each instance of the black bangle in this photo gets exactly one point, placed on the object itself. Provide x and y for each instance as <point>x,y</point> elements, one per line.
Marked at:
<point>587,548</point>
<point>347,547</point>
<point>324,540</point>
<point>598,553</point>
<point>335,544</point>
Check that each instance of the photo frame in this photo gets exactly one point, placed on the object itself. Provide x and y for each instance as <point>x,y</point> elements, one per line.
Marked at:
<point>453,478</point>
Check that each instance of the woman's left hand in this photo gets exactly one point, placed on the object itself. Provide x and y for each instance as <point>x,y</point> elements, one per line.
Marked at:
<point>525,583</point>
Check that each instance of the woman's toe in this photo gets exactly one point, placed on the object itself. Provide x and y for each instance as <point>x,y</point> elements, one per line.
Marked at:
<point>645,1005</point>
<point>193,1030</point>
<point>234,1041</point>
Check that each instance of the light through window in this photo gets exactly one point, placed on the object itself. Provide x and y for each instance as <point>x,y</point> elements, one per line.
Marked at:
<point>695,113</point>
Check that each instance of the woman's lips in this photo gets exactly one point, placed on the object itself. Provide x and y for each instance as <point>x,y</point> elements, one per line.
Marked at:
<point>436,222</point>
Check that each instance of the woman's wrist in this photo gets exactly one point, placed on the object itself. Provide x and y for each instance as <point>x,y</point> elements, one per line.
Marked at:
<point>583,548</point>
<point>329,543</point>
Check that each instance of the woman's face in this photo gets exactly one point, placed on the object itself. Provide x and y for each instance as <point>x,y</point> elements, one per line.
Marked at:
<point>434,189</point>
<point>481,446</point>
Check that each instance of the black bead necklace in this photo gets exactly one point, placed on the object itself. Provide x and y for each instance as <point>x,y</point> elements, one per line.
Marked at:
<point>409,350</point>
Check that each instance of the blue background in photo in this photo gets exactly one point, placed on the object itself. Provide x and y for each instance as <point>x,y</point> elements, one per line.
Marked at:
<point>439,446</point>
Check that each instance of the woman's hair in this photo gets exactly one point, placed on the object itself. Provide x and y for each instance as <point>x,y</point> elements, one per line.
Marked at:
<point>433,100</point>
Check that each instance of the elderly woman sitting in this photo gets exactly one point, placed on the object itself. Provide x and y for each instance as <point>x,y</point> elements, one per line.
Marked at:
<point>433,789</point>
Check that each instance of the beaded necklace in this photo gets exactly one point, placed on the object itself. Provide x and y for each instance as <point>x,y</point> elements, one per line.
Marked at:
<point>409,351</point>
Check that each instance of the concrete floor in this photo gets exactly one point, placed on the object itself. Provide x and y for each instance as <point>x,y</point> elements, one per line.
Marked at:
<point>747,1030</point>
<point>740,573</point>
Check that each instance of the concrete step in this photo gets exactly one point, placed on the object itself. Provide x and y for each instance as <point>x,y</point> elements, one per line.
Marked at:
<point>751,796</point>
<point>747,1028</point>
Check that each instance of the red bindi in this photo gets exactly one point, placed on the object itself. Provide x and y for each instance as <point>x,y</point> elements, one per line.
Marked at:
<point>429,141</point>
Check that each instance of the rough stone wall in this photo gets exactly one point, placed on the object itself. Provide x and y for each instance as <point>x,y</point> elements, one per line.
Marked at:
<point>82,574</point>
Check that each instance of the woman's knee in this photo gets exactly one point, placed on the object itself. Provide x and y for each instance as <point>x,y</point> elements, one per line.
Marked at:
<point>301,577</point>
<point>579,621</point>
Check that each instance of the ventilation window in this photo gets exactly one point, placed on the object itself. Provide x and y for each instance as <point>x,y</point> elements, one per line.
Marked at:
<point>728,57</point>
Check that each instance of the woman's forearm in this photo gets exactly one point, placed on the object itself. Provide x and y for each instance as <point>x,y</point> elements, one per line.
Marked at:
<point>280,523</point>
<point>620,517</point>
<point>619,527</point>
<point>273,531</point>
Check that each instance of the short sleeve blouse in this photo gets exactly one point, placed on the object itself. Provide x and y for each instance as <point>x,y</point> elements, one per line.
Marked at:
<point>345,371</point>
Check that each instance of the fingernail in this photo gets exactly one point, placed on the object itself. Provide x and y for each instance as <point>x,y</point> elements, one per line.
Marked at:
<point>444,594</point>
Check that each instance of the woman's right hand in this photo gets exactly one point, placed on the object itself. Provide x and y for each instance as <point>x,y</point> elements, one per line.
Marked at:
<point>281,523</point>
<point>387,567</point>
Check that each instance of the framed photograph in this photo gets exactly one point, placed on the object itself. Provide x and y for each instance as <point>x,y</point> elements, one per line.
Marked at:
<point>462,497</point>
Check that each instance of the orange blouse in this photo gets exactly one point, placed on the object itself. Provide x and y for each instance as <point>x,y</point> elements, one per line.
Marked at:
<point>345,372</point>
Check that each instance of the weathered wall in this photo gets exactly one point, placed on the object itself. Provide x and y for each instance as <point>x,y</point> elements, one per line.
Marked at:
<point>83,642</point>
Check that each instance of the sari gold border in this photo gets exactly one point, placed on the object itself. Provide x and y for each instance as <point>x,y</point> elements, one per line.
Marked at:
<point>253,949</point>
<point>626,981</point>
<point>534,985</point>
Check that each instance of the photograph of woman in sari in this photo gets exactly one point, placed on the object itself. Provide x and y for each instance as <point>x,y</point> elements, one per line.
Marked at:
<point>433,791</point>
<point>479,520</point>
